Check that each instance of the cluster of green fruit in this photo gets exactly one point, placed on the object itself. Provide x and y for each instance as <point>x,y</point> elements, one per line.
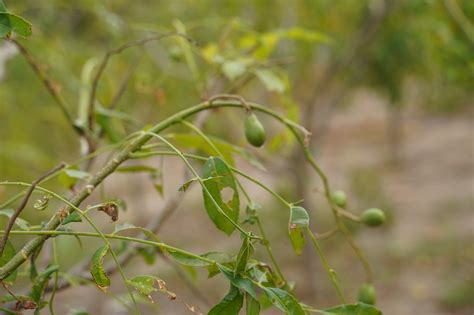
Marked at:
<point>255,135</point>
<point>371,217</point>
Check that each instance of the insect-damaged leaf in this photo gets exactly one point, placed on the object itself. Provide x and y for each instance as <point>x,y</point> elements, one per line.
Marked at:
<point>284,301</point>
<point>299,221</point>
<point>40,284</point>
<point>143,284</point>
<point>97,268</point>
<point>215,191</point>
<point>230,304</point>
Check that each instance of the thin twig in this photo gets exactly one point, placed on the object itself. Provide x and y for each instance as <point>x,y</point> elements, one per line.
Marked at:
<point>49,84</point>
<point>23,203</point>
<point>105,60</point>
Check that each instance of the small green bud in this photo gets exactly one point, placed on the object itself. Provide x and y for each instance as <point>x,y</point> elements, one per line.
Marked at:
<point>339,198</point>
<point>366,294</point>
<point>373,217</point>
<point>254,131</point>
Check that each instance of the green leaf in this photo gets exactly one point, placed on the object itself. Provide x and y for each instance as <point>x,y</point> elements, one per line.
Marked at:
<point>143,284</point>
<point>230,304</point>
<point>196,142</point>
<point>97,268</point>
<point>3,8</point>
<point>284,301</point>
<point>148,253</point>
<point>13,23</point>
<point>252,306</point>
<point>302,34</point>
<point>239,281</point>
<point>69,177</point>
<point>271,81</point>
<point>354,309</point>
<point>72,217</point>
<point>246,250</point>
<point>186,185</point>
<point>138,169</point>
<point>41,282</point>
<point>22,224</point>
<point>233,69</point>
<point>187,259</point>
<point>216,167</point>
<point>8,253</point>
<point>299,221</point>
<point>128,226</point>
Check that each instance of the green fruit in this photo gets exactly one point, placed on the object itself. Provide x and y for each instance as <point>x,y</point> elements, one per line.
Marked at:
<point>339,198</point>
<point>254,131</point>
<point>176,53</point>
<point>366,294</point>
<point>373,217</point>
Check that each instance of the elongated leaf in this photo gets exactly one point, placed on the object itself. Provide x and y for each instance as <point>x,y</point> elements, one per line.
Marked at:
<point>22,224</point>
<point>271,81</point>
<point>191,141</point>
<point>299,221</point>
<point>138,169</point>
<point>216,167</point>
<point>97,268</point>
<point>3,8</point>
<point>13,23</point>
<point>143,284</point>
<point>73,217</point>
<point>239,281</point>
<point>354,309</point>
<point>233,69</point>
<point>284,301</point>
<point>41,282</point>
<point>128,226</point>
<point>252,305</point>
<point>230,304</point>
<point>8,253</point>
<point>246,250</point>
<point>187,259</point>
<point>69,177</point>
<point>193,261</point>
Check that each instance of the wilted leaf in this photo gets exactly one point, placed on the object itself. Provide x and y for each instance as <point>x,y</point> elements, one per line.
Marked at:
<point>97,268</point>
<point>299,221</point>
<point>230,304</point>
<point>216,167</point>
